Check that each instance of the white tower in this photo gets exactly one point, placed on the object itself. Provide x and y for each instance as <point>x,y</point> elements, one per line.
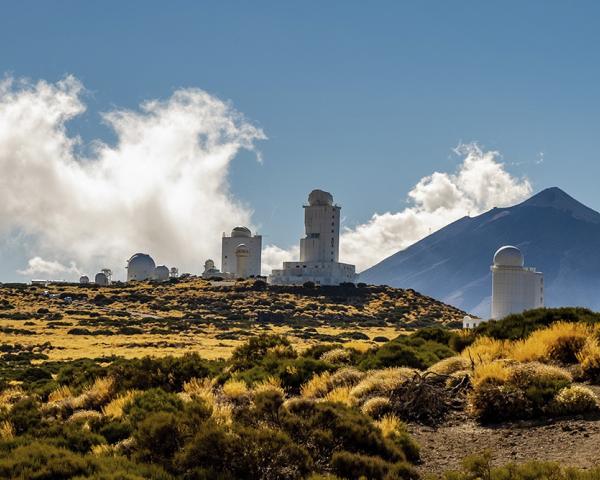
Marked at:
<point>319,249</point>
<point>322,225</point>
<point>241,236</point>
<point>174,272</point>
<point>515,288</point>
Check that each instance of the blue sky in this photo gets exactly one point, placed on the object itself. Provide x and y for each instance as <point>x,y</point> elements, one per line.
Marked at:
<point>362,99</point>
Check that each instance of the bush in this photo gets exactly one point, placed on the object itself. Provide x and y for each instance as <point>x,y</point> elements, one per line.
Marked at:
<point>157,438</point>
<point>574,400</point>
<point>152,401</point>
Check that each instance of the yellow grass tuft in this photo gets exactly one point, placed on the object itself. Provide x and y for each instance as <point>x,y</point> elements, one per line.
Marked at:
<point>318,386</point>
<point>450,365</point>
<point>376,406</point>
<point>339,395</point>
<point>103,449</point>
<point>115,408</point>
<point>235,389</point>
<point>380,383</point>
<point>390,424</point>
<point>486,349</point>
<point>268,385</point>
<point>201,389</point>
<point>60,394</point>
<point>337,356</point>
<point>496,371</point>
<point>561,341</point>
<point>10,396</point>
<point>7,431</point>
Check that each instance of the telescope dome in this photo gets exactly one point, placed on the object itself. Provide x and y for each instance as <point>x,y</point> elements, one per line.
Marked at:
<point>319,197</point>
<point>241,232</point>
<point>140,267</point>
<point>509,256</point>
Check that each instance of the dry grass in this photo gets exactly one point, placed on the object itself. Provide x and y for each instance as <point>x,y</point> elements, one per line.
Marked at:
<point>390,424</point>
<point>380,383</point>
<point>376,406</point>
<point>339,395</point>
<point>318,386</point>
<point>7,431</point>
<point>560,342</point>
<point>450,365</point>
<point>201,389</point>
<point>235,389</point>
<point>497,371</point>
<point>486,349</point>
<point>337,356</point>
<point>116,406</point>
<point>60,394</point>
<point>270,384</point>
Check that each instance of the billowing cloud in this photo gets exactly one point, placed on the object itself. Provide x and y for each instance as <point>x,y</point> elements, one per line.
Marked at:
<point>161,188</point>
<point>480,183</point>
<point>49,268</point>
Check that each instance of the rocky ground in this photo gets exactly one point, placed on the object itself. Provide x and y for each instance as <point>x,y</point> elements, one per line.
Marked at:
<point>571,442</point>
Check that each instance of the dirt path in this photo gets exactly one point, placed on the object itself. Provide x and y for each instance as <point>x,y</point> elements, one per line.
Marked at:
<point>572,442</point>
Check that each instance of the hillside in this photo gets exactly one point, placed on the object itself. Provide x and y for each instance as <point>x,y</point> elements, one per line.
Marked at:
<point>193,315</point>
<point>557,234</point>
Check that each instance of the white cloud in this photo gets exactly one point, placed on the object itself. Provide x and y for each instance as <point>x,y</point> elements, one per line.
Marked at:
<point>49,268</point>
<point>161,188</point>
<point>273,257</point>
<point>480,183</point>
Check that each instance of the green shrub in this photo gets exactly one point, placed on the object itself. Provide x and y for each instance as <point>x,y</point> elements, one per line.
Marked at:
<point>152,401</point>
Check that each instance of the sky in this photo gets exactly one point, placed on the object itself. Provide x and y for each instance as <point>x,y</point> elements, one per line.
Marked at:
<point>147,126</point>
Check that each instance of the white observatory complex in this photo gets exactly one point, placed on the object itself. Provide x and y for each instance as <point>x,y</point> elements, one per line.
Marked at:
<point>84,280</point>
<point>319,249</point>
<point>241,254</point>
<point>515,288</point>
<point>140,267</point>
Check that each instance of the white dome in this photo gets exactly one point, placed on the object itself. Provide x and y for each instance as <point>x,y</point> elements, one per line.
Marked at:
<point>161,273</point>
<point>508,256</point>
<point>209,264</point>
<point>84,279</point>
<point>319,197</point>
<point>140,267</point>
<point>241,232</point>
<point>101,279</point>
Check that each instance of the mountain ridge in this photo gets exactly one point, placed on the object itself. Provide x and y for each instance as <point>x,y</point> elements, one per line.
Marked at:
<point>557,234</point>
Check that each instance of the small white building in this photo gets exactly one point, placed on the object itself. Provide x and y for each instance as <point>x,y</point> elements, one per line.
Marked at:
<point>140,267</point>
<point>319,249</point>
<point>241,253</point>
<point>515,288</point>
<point>161,273</point>
<point>471,322</point>
<point>101,279</point>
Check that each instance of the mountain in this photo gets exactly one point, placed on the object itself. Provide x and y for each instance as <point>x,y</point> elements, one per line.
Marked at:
<point>557,234</point>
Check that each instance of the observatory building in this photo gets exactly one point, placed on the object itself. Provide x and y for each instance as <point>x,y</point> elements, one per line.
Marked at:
<point>161,273</point>
<point>140,266</point>
<point>101,279</point>
<point>241,253</point>
<point>319,249</point>
<point>515,288</point>
<point>84,280</point>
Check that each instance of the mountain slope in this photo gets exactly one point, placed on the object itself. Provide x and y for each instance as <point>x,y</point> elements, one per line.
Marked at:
<point>557,234</point>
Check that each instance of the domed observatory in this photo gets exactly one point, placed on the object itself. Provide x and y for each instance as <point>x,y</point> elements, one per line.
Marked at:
<point>101,279</point>
<point>140,267</point>
<point>161,273</point>
<point>319,249</point>
<point>515,288</point>
<point>84,280</point>
<point>229,259</point>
